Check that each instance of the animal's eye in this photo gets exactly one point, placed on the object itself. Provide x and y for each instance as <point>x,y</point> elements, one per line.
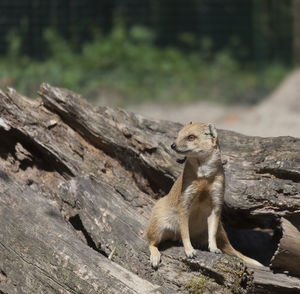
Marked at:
<point>191,137</point>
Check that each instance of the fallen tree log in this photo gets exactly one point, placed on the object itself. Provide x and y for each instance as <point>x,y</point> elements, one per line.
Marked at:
<point>78,184</point>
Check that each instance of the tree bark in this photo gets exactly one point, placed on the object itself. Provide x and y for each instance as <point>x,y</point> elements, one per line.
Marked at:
<point>78,184</point>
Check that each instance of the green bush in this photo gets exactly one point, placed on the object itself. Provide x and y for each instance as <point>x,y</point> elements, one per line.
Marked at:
<point>127,64</point>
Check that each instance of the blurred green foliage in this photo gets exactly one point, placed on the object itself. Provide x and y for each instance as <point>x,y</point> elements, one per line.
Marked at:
<point>128,65</point>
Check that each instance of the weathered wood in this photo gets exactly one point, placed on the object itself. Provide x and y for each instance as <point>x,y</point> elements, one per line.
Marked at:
<point>99,170</point>
<point>266,281</point>
<point>287,256</point>
<point>263,174</point>
<point>100,196</point>
<point>41,253</point>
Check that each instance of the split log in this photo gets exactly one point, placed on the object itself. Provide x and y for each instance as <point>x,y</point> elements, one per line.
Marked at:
<point>287,256</point>
<point>78,184</point>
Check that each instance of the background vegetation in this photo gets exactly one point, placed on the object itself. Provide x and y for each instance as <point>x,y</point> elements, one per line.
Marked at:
<point>131,51</point>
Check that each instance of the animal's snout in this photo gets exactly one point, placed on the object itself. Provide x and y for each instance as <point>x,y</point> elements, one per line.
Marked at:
<point>173,146</point>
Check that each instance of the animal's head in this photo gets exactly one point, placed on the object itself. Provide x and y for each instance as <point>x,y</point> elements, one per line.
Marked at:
<point>196,140</point>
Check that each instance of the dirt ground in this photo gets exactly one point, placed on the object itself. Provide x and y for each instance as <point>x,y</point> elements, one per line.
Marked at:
<point>277,115</point>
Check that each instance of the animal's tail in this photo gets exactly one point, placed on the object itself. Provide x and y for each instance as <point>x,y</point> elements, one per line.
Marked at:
<point>245,258</point>
<point>226,247</point>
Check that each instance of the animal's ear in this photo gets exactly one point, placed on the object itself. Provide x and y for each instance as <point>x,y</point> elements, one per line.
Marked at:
<point>213,130</point>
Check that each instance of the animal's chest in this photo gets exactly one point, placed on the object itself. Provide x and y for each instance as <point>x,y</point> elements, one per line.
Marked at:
<point>205,170</point>
<point>200,205</point>
<point>196,192</point>
<point>202,197</point>
<point>202,189</point>
<point>200,211</point>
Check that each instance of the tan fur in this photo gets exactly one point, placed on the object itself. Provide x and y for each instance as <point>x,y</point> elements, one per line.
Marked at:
<point>192,209</point>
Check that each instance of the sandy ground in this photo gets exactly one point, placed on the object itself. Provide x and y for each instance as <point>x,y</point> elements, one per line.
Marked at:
<point>277,115</point>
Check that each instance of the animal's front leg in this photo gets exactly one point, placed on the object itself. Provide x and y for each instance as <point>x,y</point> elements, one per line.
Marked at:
<point>217,196</point>
<point>213,223</point>
<point>185,234</point>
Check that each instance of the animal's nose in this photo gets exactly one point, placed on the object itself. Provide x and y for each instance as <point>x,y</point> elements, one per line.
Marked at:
<point>173,146</point>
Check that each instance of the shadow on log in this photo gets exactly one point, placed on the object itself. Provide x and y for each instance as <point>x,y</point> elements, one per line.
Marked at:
<point>77,185</point>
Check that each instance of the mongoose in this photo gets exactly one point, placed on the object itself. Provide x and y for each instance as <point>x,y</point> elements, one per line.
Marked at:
<point>193,206</point>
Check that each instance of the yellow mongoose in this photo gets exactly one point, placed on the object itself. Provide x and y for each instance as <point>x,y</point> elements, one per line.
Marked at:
<point>193,206</point>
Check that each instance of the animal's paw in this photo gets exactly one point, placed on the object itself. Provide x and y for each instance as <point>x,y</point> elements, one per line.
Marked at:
<point>191,253</point>
<point>216,251</point>
<point>155,260</point>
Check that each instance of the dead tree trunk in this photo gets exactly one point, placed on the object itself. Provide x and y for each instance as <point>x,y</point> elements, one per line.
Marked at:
<point>77,184</point>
